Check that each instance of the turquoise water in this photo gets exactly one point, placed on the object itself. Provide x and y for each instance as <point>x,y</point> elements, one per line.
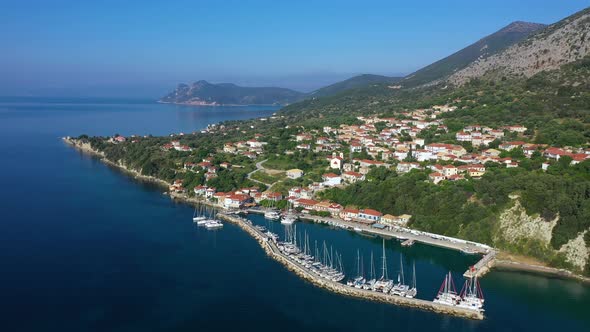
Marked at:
<point>84,248</point>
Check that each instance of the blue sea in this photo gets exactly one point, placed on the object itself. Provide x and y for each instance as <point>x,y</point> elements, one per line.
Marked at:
<point>85,248</point>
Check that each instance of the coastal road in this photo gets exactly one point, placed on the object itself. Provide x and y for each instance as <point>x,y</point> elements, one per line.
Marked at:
<point>406,233</point>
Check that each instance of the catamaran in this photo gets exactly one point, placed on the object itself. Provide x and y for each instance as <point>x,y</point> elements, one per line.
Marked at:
<point>447,294</point>
<point>471,295</point>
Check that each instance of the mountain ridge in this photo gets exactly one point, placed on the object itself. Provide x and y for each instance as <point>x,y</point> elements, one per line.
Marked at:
<point>482,48</point>
<point>550,48</point>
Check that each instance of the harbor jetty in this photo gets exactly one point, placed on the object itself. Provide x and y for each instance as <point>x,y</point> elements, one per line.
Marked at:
<point>411,236</point>
<point>271,248</point>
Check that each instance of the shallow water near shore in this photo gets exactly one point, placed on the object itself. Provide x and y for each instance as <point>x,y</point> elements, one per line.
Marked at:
<point>85,248</point>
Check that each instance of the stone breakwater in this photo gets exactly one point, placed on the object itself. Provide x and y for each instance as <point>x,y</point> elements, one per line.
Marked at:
<point>272,250</point>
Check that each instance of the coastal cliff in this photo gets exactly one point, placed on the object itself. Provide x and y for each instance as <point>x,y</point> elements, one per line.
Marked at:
<point>532,235</point>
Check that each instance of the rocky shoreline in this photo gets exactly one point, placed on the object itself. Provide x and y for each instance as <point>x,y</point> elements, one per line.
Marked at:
<point>506,265</point>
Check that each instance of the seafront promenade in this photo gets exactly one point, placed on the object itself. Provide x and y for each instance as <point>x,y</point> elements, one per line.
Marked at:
<point>272,250</point>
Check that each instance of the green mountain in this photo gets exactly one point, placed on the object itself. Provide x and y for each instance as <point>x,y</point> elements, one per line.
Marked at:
<point>483,48</point>
<point>355,82</point>
<point>205,93</point>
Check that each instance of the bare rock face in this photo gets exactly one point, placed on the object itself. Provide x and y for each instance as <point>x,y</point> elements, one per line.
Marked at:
<point>516,224</point>
<point>576,251</point>
<point>558,44</point>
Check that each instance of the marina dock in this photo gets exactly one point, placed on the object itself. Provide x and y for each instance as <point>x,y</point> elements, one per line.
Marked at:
<point>273,251</point>
<point>410,236</point>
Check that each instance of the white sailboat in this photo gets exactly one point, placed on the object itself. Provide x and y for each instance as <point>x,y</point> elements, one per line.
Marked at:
<point>383,284</point>
<point>370,285</point>
<point>401,289</point>
<point>198,216</point>
<point>289,218</point>
<point>359,280</point>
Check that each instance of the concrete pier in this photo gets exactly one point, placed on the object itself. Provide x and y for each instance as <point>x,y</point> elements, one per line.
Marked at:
<point>273,251</point>
<point>482,267</point>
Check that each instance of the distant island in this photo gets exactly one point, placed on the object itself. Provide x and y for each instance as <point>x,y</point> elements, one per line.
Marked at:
<point>203,93</point>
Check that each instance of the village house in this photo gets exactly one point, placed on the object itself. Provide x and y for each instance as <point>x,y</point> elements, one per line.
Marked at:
<point>369,216</point>
<point>516,129</point>
<point>305,203</point>
<point>352,177</point>
<point>303,137</point>
<point>272,196</point>
<point>176,187</point>
<point>436,177</point>
<point>349,214</point>
<point>508,146</point>
<point>331,179</point>
<point>229,148</point>
<point>294,173</point>
<point>449,170</point>
<point>209,192</point>
<point>200,190</point>
<point>555,153</point>
<point>356,147</point>
<point>235,201</point>
<point>404,167</point>
<point>303,147</point>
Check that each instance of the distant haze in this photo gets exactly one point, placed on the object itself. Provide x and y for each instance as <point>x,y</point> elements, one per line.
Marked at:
<point>143,49</point>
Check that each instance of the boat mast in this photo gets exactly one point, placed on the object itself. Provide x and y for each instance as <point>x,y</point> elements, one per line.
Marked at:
<point>362,266</point>
<point>358,263</point>
<point>401,263</point>
<point>372,267</point>
<point>414,275</point>
<point>384,264</point>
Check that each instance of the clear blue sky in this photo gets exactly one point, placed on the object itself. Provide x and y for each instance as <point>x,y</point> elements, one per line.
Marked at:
<point>143,48</point>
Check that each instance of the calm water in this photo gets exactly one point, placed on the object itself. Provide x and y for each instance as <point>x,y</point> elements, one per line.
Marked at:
<point>84,248</point>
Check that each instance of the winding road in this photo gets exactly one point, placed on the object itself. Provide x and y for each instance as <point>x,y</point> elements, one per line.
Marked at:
<point>259,167</point>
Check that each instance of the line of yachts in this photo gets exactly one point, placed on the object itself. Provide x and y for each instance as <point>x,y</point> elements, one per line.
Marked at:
<point>324,262</point>
<point>327,263</point>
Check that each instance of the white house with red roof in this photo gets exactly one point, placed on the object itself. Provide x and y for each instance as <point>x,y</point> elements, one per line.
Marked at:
<point>556,153</point>
<point>436,177</point>
<point>369,215</point>
<point>331,179</point>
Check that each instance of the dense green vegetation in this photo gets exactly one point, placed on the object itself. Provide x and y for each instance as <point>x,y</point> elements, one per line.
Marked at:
<point>470,209</point>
